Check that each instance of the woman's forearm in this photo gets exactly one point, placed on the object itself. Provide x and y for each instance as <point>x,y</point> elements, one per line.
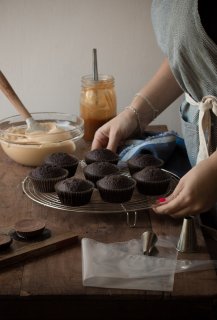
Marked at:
<point>161,91</point>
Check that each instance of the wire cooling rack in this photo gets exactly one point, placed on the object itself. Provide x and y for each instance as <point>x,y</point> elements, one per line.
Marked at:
<point>137,203</point>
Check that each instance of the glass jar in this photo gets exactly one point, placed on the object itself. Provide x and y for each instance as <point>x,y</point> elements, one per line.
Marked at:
<point>97,103</point>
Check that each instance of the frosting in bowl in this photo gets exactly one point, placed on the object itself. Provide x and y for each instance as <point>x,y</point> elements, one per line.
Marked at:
<point>31,148</point>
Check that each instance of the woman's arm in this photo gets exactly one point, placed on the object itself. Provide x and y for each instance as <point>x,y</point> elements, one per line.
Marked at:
<point>161,91</point>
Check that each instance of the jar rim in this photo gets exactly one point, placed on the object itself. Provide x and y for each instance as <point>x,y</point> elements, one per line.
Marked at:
<point>101,78</point>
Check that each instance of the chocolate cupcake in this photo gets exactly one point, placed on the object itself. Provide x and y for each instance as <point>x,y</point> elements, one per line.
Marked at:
<point>152,181</point>
<point>98,170</point>
<point>45,177</point>
<point>141,161</point>
<point>116,188</point>
<point>99,155</point>
<point>74,191</point>
<point>63,160</point>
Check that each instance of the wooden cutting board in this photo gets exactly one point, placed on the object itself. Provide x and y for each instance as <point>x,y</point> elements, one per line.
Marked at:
<point>22,250</point>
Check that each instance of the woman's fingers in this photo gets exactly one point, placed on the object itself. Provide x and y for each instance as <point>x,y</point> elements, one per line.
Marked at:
<point>176,204</point>
<point>173,209</point>
<point>117,129</point>
<point>114,140</point>
<point>101,139</point>
<point>170,206</point>
<point>180,206</point>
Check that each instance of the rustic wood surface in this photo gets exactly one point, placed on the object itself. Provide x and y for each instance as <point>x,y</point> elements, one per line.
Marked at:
<point>53,281</point>
<point>21,249</point>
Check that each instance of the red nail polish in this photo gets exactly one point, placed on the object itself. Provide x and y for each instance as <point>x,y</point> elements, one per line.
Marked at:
<point>161,200</point>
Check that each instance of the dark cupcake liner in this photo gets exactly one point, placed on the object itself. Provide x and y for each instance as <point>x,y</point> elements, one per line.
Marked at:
<point>71,169</point>
<point>75,198</point>
<point>116,196</point>
<point>47,185</point>
<point>152,188</point>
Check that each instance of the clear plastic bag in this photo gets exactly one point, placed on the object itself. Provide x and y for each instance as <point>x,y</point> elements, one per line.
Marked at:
<point>123,265</point>
<point>195,265</point>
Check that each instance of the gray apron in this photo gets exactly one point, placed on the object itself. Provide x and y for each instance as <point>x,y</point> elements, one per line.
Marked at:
<point>192,56</point>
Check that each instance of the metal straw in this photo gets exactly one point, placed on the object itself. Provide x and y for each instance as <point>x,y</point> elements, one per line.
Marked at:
<point>95,68</point>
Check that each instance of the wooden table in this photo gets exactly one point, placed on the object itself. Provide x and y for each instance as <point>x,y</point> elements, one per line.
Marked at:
<point>50,286</point>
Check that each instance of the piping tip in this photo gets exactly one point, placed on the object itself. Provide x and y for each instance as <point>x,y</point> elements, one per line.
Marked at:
<point>188,238</point>
<point>149,240</point>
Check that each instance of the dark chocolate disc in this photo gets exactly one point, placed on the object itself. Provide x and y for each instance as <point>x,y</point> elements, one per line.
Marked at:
<point>5,241</point>
<point>29,228</point>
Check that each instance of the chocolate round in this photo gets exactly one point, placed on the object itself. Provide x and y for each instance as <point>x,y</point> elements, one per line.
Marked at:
<point>151,174</point>
<point>5,241</point>
<point>46,171</point>
<point>98,155</point>
<point>141,161</point>
<point>98,170</point>
<point>29,228</point>
<point>63,160</point>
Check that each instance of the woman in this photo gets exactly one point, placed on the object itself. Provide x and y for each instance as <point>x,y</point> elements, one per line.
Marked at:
<point>186,33</point>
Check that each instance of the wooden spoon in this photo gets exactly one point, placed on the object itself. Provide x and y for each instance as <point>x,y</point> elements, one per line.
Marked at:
<point>32,125</point>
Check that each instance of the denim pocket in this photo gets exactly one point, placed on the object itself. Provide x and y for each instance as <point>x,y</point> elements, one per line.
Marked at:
<point>190,133</point>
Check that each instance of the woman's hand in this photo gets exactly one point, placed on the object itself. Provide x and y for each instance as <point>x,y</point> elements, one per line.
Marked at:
<point>117,129</point>
<point>195,193</point>
<point>161,90</point>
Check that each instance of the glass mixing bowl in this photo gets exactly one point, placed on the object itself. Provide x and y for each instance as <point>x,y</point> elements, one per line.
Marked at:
<point>30,149</point>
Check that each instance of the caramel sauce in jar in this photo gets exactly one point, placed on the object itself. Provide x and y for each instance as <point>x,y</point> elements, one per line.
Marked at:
<point>97,103</point>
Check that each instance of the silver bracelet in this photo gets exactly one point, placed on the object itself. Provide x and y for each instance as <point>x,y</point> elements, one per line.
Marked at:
<point>131,107</point>
<point>146,99</point>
